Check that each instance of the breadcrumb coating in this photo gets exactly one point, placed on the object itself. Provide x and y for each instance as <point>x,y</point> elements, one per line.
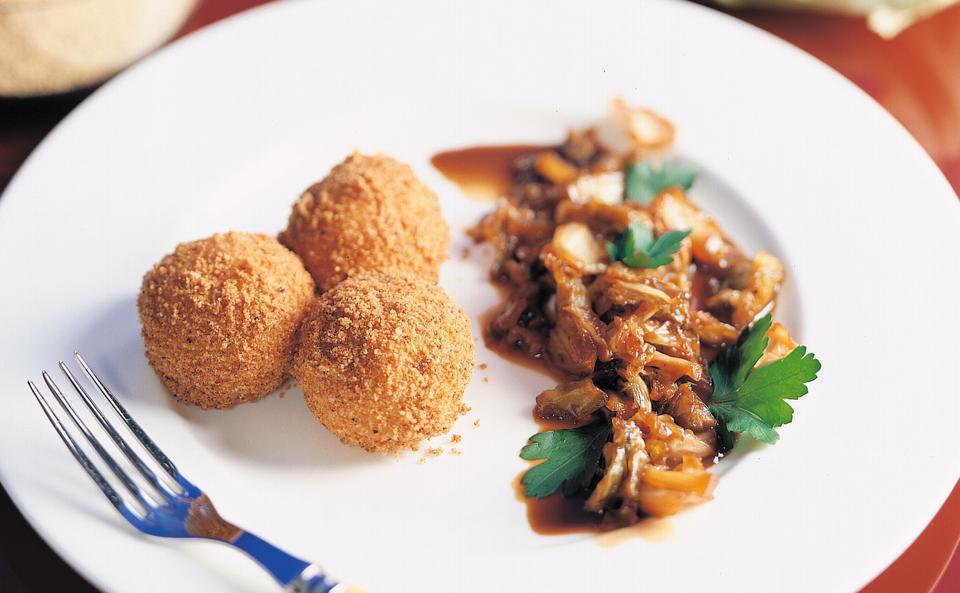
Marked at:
<point>383,361</point>
<point>219,317</point>
<point>370,213</point>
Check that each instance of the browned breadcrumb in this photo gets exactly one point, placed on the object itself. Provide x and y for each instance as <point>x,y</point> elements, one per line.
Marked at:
<point>482,366</point>
<point>218,317</point>
<point>430,453</point>
<point>454,451</point>
<point>370,213</point>
<point>283,389</point>
<point>455,438</point>
<point>476,423</point>
<point>383,361</point>
<point>465,253</point>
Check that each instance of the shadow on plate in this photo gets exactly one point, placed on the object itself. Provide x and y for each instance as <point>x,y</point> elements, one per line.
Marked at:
<point>113,348</point>
<point>276,430</point>
<point>744,447</point>
<point>75,491</point>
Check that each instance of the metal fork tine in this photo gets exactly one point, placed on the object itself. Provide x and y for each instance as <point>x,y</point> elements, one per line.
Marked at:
<point>138,432</point>
<point>107,458</point>
<point>81,457</point>
<point>120,442</point>
<point>188,515</point>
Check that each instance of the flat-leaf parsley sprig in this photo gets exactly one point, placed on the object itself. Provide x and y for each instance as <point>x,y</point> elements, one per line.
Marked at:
<point>570,459</point>
<point>753,400</point>
<point>642,182</point>
<point>637,248</point>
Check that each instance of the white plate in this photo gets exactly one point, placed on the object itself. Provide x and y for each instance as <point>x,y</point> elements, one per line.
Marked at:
<point>225,128</point>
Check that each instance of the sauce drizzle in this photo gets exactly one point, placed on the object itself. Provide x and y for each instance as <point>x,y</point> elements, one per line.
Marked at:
<point>484,173</point>
<point>556,515</point>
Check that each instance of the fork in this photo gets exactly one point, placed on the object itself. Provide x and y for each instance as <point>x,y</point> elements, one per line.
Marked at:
<point>173,509</point>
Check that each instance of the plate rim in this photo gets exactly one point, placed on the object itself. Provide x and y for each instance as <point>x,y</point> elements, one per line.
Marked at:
<point>185,43</point>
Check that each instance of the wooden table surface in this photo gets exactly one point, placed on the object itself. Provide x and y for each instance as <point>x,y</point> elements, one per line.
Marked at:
<point>916,76</point>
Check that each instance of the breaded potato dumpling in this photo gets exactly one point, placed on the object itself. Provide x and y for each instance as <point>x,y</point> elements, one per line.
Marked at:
<point>219,317</point>
<point>383,361</point>
<point>370,213</point>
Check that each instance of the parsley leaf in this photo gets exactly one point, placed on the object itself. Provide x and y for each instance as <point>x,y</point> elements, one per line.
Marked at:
<point>571,457</point>
<point>637,248</point>
<point>753,400</point>
<point>642,182</point>
<point>732,364</point>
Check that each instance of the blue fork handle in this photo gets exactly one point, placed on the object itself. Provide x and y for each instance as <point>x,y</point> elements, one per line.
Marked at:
<point>296,575</point>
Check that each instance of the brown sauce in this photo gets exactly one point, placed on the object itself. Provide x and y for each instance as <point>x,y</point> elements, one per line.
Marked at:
<point>556,515</point>
<point>485,173</point>
<point>700,289</point>
<point>539,364</point>
<point>482,172</point>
